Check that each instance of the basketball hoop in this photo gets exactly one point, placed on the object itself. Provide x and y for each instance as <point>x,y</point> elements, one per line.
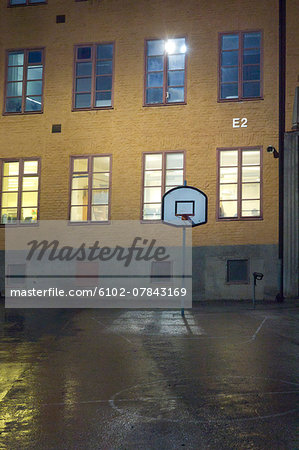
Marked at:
<point>185,217</point>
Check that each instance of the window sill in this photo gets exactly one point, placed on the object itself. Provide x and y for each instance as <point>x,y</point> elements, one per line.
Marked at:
<point>27,113</point>
<point>31,4</point>
<point>14,225</point>
<point>239,100</point>
<point>106,222</point>
<point>237,219</point>
<point>92,109</point>
<point>150,105</point>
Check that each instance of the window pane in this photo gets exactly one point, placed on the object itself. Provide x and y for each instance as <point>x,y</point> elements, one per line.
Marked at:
<point>250,174</point>
<point>229,90</point>
<point>104,83</point>
<point>10,168</point>
<point>152,212</point>
<point>230,42</point>
<point>14,104</point>
<point>155,79</point>
<point>80,165</point>
<point>30,166</point>
<point>229,158</point>
<point>155,63</point>
<point>251,89</point>
<point>176,95</point>
<point>229,58</point>
<point>154,96</point>
<point>155,47</point>
<point>237,271</point>
<point>174,160</point>
<point>37,1</point>
<point>229,175</point>
<point>105,51</point>
<point>82,101</point>
<point>250,157</point>
<point>15,74</point>
<point>34,72</point>
<point>9,200</point>
<point>78,213</point>
<point>104,67</point>
<point>175,45</point>
<point>228,192</point>
<point>84,53</point>
<point>228,209</point>
<point>153,178</point>
<point>10,184</point>
<point>29,215</point>
<point>251,57</point>
<point>100,180</point>
<point>176,78</point>
<point>83,69</point>
<point>101,164</point>
<point>14,89</point>
<point>79,197</point>
<point>99,213</point>
<point>251,73</point>
<point>18,2</point>
<point>30,183</point>
<point>174,177</point>
<point>103,99</point>
<point>250,190</point>
<point>252,40</point>
<point>152,194</point>
<point>229,74</point>
<point>176,62</point>
<point>83,84</point>
<point>16,58</point>
<point>9,215</point>
<point>80,182</point>
<point>100,197</point>
<point>29,198</point>
<point>34,87</point>
<point>35,56</point>
<point>33,104</point>
<point>153,161</point>
<point>251,208</point>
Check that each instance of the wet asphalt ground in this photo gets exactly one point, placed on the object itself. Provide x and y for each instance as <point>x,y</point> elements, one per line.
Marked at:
<point>223,377</point>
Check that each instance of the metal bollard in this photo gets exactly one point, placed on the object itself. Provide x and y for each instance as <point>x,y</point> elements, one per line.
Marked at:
<point>256,276</point>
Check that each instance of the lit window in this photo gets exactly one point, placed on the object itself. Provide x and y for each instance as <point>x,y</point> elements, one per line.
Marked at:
<point>93,81</point>
<point>165,71</point>
<point>25,2</point>
<point>162,172</point>
<point>24,85</point>
<point>240,66</point>
<point>20,191</point>
<point>239,187</point>
<point>90,189</point>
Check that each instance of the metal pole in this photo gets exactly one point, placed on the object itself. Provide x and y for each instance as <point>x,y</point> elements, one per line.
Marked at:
<point>183,270</point>
<point>253,293</point>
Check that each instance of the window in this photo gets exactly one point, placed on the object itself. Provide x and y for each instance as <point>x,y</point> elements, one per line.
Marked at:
<point>20,191</point>
<point>237,271</point>
<point>24,82</point>
<point>162,172</point>
<point>240,66</point>
<point>239,187</point>
<point>93,81</point>
<point>90,188</point>
<point>165,71</point>
<point>25,2</point>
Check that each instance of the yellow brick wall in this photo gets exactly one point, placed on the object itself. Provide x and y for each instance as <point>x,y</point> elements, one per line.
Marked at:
<point>131,129</point>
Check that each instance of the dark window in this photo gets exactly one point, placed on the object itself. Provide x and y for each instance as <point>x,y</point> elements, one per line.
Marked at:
<point>240,66</point>
<point>25,2</point>
<point>90,188</point>
<point>161,271</point>
<point>237,271</point>
<point>162,172</point>
<point>239,183</point>
<point>93,82</point>
<point>24,82</point>
<point>165,71</point>
<point>20,191</point>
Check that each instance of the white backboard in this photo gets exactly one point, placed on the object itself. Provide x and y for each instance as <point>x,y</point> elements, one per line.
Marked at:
<point>184,200</point>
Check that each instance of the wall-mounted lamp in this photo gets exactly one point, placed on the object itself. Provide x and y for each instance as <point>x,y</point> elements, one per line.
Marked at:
<point>273,150</point>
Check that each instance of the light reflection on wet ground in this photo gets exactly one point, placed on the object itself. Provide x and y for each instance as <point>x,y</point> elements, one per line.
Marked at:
<point>113,379</point>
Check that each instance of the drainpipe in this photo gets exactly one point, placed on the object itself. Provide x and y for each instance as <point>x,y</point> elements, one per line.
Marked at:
<point>282,89</point>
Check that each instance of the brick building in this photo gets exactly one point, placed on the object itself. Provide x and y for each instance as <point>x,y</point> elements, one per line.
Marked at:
<point>108,103</point>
